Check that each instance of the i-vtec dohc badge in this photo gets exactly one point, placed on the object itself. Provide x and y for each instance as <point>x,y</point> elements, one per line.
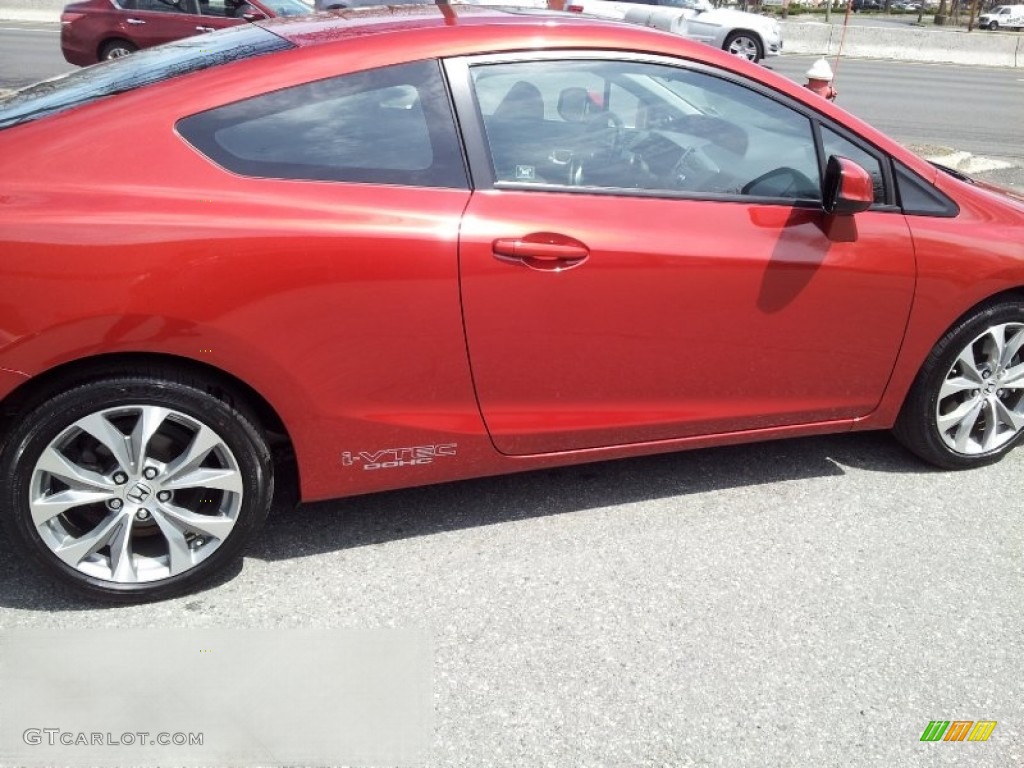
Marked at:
<point>392,458</point>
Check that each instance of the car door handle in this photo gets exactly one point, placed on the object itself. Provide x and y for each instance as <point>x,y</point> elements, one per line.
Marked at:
<point>134,21</point>
<point>542,250</point>
<point>204,29</point>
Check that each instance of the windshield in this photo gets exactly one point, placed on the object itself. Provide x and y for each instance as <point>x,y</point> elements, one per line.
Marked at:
<point>288,7</point>
<point>146,67</point>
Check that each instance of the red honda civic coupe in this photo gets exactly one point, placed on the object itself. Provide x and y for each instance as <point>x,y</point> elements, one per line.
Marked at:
<point>96,30</point>
<point>399,247</point>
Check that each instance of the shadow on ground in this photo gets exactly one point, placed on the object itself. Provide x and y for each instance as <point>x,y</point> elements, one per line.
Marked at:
<point>379,518</point>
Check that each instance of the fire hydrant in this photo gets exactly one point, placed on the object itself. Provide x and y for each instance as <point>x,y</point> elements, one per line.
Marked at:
<point>819,80</point>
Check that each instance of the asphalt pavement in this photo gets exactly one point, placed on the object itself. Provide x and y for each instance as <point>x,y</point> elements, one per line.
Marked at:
<point>813,602</point>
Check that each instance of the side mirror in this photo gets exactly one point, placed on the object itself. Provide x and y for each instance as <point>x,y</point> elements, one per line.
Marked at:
<point>848,188</point>
<point>251,13</point>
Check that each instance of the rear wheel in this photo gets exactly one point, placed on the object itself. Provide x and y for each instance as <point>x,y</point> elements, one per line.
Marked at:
<point>135,489</point>
<point>745,45</point>
<point>966,408</point>
<point>115,49</point>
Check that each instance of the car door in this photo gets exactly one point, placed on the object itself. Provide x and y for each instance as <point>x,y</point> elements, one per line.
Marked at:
<point>646,257</point>
<point>153,22</point>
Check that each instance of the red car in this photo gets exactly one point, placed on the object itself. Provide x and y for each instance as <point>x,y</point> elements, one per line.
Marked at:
<point>416,245</point>
<point>96,30</point>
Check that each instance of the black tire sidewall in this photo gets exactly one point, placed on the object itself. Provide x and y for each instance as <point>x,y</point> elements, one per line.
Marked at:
<point>42,425</point>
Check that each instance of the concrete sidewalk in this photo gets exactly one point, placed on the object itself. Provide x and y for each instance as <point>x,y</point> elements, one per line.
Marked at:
<point>810,37</point>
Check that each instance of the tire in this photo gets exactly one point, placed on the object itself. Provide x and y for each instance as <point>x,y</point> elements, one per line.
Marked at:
<point>134,522</point>
<point>993,25</point>
<point>115,49</point>
<point>966,407</point>
<point>744,44</point>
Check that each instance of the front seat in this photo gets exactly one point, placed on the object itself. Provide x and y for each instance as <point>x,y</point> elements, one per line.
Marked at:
<point>517,135</point>
<point>522,102</point>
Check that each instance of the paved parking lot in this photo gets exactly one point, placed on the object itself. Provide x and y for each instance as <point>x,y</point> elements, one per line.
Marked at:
<point>809,603</point>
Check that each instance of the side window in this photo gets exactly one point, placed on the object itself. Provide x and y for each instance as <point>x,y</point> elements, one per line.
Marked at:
<point>619,125</point>
<point>834,144</point>
<point>218,8</point>
<point>164,6</point>
<point>384,126</point>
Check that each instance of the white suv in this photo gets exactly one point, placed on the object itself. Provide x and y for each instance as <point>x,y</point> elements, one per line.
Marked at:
<point>744,34</point>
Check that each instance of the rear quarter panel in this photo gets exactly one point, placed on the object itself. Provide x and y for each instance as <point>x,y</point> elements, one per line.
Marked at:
<point>337,302</point>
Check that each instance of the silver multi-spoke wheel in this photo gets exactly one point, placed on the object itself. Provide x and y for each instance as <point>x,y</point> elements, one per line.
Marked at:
<point>980,406</point>
<point>135,493</point>
<point>744,46</point>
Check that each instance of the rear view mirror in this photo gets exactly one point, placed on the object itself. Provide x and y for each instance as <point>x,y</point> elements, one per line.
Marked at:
<point>848,188</point>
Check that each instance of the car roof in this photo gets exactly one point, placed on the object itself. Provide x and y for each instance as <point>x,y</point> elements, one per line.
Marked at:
<point>333,26</point>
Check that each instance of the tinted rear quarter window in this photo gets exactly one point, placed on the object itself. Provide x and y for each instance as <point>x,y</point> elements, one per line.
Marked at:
<point>391,125</point>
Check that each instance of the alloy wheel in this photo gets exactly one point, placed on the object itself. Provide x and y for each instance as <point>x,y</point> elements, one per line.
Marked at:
<point>744,47</point>
<point>980,404</point>
<point>135,493</point>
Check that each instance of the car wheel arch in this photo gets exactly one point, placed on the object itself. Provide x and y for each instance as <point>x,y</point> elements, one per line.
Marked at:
<point>1002,297</point>
<point>915,426</point>
<point>213,380</point>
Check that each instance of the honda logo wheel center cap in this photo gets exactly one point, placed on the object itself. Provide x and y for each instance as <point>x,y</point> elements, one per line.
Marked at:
<point>138,493</point>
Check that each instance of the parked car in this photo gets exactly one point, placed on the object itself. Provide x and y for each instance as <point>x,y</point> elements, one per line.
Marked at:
<point>866,5</point>
<point>747,35</point>
<point>96,30</point>
<point>341,5</point>
<point>1005,16</point>
<point>379,250</point>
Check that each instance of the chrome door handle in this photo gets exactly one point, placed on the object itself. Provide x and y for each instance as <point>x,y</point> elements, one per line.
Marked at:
<point>134,21</point>
<point>204,29</point>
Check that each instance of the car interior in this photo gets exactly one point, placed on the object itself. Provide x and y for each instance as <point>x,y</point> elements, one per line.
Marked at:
<point>596,124</point>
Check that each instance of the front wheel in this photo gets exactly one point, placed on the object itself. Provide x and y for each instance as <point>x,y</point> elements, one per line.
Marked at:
<point>966,408</point>
<point>993,25</point>
<point>746,45</point>
<point>135,488</point>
